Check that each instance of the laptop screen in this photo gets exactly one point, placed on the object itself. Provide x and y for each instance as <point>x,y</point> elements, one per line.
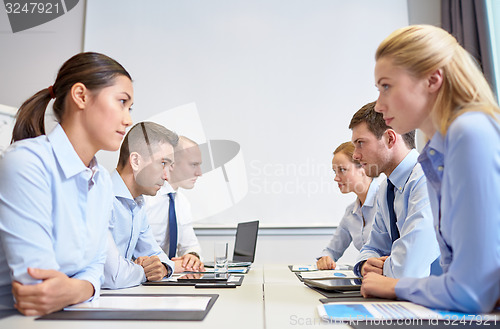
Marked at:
<point>246,241</point>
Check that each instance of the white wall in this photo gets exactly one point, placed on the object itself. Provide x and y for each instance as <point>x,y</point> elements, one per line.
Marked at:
<point>282,81</point>
<point>282,246</point>
<point>30,60</point>
<point>293,246</point>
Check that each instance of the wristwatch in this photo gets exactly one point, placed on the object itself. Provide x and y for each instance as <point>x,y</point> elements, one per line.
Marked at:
<point>194,253</point>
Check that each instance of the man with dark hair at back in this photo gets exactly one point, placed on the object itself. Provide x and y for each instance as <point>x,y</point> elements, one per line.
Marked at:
<point>402,242</point>
<point>145,161</point>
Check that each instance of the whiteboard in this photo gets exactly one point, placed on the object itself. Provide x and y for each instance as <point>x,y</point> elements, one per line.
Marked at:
<point>7,115</point>
<point>275,82</point>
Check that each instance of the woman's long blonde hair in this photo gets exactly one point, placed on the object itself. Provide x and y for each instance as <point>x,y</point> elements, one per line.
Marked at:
<point>423,49</point>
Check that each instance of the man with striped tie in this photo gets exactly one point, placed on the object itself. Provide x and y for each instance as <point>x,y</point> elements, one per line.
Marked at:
<point>169,212</point>
<point>402,242</point>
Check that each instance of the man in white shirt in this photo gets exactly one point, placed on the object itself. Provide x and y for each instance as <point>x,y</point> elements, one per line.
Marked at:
<point>184,174</point>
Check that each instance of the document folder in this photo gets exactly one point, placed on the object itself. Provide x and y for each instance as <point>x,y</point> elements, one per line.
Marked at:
<point>154,315</point>
<point>233,279</point>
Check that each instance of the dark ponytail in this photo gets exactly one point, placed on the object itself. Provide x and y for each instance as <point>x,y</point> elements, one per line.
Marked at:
<point>94,70</point>
<point>30,117</point>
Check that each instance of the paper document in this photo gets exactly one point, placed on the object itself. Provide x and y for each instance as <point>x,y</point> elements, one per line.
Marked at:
<point>242,270</point>
<point>173,278</point>
<point>304,268</point>
<point>355,311</point>
<point>144,303</point>
<point>328,274</point>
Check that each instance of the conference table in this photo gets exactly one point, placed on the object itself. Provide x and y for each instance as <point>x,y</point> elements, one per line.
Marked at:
<point>270,296</point>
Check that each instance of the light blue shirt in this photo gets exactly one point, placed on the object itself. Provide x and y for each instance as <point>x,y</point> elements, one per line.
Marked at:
<point>54,212</point>
<point>463,171</point>
<point>131,238</point>
<point>412,254</point>
<point>356,224</point>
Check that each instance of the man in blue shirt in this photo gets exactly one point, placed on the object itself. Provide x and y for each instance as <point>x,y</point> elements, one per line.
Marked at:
<point>402,242</point>
<point>134,256</point>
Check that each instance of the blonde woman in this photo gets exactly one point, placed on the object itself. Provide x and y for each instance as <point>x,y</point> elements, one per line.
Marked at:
<point>356,224</point>
<point>427,80</point>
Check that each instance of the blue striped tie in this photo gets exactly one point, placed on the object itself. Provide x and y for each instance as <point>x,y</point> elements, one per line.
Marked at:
<point>392,214</point>
<point>172,226</point>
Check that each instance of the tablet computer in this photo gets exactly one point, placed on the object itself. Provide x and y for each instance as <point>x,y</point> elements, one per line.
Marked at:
<point>203,277</point>
<point>335,284</point>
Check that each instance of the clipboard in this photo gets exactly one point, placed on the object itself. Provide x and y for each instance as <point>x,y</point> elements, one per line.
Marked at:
<point>347,298</point>
<point>231,270</point>
<point>296,273</point>
<point>328,274</point>
<point>336,294</point>
<point>233,280</point>
<point>204,278</point>
<point>335,284</point>
<point>153,315</point>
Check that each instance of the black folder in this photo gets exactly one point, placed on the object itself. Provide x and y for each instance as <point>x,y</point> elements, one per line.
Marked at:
<point>296,273</point>
<point>344,299</point>
<point>176,283</point>
<point>135,315</point>
<point>334,293</point>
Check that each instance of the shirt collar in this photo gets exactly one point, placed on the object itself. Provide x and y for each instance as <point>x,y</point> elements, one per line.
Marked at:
<point>372,193</point>
<point>357,205</point>
<point>165,189</point>
<point>121,190</point>
<point>437,143</point>
<point>66,156</point>
<point>400,175</point>
<point>370,196</point>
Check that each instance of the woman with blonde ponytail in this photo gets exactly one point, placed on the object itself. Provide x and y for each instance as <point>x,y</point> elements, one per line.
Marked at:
<point>55,199</point>
<point>427,80</point>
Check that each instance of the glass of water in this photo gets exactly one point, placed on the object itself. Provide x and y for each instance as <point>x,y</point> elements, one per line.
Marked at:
<point>220,255</point>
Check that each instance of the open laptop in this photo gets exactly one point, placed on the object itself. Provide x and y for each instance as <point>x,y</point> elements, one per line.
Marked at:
<point>245,244</point>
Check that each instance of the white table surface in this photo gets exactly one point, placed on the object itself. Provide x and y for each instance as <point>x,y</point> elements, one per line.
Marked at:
<point>288,302</point>
<point>240,307</point>
<point>270,297</point>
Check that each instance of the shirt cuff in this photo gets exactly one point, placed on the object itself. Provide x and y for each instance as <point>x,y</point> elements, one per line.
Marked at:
<point>357,268</point>
<point>403,287</point>
<point>170,270</point>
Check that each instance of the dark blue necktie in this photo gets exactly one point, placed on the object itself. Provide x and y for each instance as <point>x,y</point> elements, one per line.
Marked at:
<point>392,214</point>
<point>172,227</point>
